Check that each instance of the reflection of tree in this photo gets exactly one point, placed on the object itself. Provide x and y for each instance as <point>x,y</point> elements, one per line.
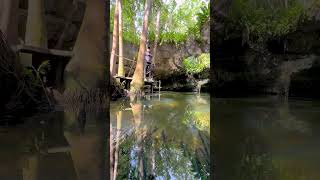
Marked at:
<point>140,133</point>
<point>87,148</point>
<point>116,155</point>
<point>255,162</point>
<point>111,152</point>
<point>31,171</point>
<point>155,148</point>
<point>288,121</point>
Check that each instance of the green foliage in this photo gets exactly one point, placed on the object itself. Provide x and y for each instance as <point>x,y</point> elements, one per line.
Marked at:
<point>177,21</point>
<point>44,67</point>
<point>198,64</point>
<point>33,75</point>
<point>262,21</point>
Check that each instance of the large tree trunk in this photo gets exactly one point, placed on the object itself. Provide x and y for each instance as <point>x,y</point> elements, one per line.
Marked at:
<point>138,79</point>
<point>85,69</point>
<point>114,39</point>
<point>157,36</point>
<point>121,63</point>
<point>9,20</point>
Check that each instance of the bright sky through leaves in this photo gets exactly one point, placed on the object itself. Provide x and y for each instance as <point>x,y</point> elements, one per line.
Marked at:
<point>179,19</point>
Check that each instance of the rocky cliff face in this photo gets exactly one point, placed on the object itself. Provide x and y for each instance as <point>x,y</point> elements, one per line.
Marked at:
<point>169,59</point>
<point>287,66</point>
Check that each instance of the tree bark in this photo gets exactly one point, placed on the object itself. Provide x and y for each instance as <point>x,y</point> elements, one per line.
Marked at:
<point>9,20</point>
<point>121,63</point>
<point>86,68</point>
<point>157,37</point>
<point>36,34</point>
<point>114,39</point>
<point>138,77</point>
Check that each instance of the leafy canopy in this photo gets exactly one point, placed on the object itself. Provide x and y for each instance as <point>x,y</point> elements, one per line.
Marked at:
<point>178,20</point>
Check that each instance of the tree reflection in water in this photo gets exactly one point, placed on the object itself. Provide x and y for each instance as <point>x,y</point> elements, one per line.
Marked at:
<point>161,139</point>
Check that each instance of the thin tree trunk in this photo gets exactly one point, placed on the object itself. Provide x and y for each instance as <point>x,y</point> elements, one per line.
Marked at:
<point>121,63</point>
<point>286,3</point>
<point>36,34</point>
<point>116,156</point>
<point>114,39</point>
<point>157,36</point>
<point>9,19</point>
<point>138,77</point>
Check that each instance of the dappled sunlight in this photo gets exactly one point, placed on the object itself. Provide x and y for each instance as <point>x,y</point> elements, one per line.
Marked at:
<point>167,138</point>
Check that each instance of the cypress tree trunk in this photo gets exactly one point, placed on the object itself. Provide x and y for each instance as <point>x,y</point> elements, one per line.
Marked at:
<point>138,79</point>
<point>36,34</point>
<point>157,36</point>
<point>114,39</point>
<point>121,63</point>
<point>86,68</point>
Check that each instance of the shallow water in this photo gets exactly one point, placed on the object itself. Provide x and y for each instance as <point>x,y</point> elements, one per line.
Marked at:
<point>266,139</point>
<point>168,138</point>
<point>54,146</point>
<point>164,137</point>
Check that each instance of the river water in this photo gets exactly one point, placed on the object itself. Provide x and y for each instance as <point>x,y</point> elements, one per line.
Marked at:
<point>266,139</point>
<point>167,137</point>
<point>161,137</point>
<point>164,137</point>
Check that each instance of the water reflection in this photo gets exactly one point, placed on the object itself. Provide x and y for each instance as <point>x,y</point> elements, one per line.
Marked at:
<point>264,138</point>
<point>166,138</point>
<point>58,145</point>
<point>163,137</point>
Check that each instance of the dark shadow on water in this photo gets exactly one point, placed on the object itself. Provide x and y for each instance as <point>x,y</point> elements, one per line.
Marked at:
<point>57,145</point>
<point>266,138</point>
